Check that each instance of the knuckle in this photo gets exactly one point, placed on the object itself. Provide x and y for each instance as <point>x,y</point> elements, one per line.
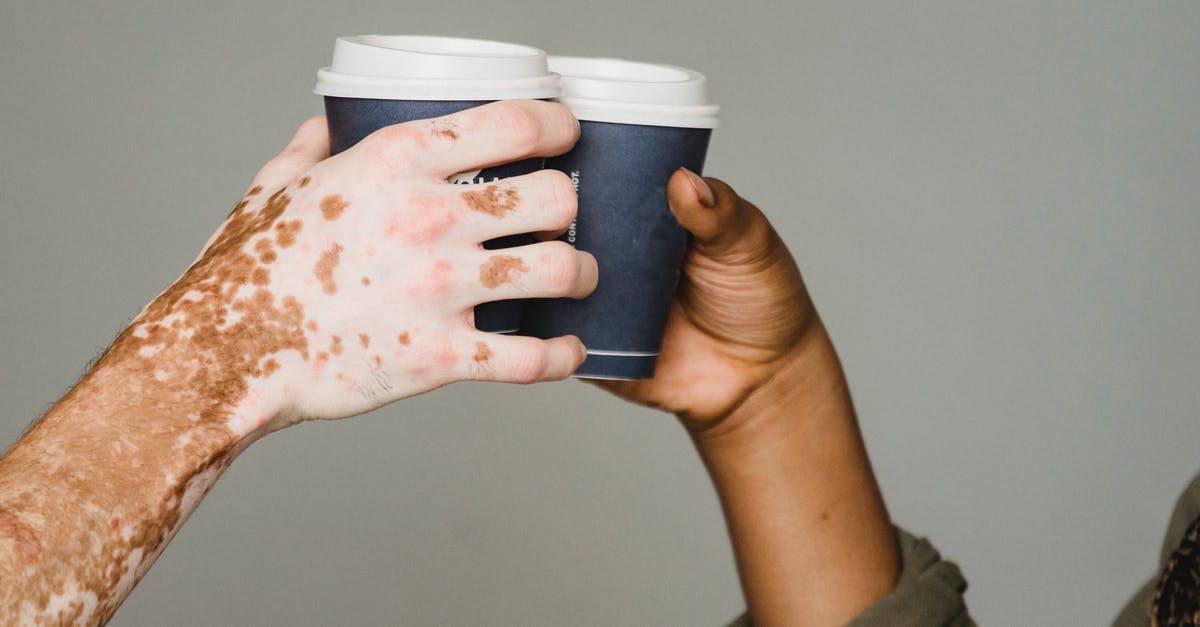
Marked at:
<point>389,135</point>
<point>274,168</point>
<point>530,365</point>
<point>521,124</point>
<point>313,124</point>
<point>563,267</point>
<point>391,143</point>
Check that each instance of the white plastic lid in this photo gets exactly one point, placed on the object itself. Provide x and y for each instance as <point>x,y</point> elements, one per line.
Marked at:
<point>415,67</point>
<point>631,92</point>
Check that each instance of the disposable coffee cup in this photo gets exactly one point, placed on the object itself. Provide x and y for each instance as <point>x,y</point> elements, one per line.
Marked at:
<point>379,80</point>
<point>639,123</point>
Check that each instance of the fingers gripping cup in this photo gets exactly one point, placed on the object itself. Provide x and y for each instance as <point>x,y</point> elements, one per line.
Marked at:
<point>639,123</point>
<point>376,81</point>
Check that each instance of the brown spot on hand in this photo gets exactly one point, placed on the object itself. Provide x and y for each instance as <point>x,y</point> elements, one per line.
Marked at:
<point>261,277</point>
<point>311,325</point>
<point>442,128</point>
<point>325,266</point>
<point>25,544</point>
<point>497,199</point>
<point>332,206</point>
<point>404,338</point>
<point>285,232</point>
<point>254,191</point>
<point>366,281</point>
<point>378,360</point>
<point>264,250</point>
<point>270,367</point>
<point>364,339</point>
<point>500,270</point>
<point>303,182</point>
<point>482,352</point>
<point>237,209</point>
<point>335,345</point>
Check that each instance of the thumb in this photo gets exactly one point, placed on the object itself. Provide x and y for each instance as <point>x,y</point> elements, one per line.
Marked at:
<point>722,223</point>
<point>308,147</point>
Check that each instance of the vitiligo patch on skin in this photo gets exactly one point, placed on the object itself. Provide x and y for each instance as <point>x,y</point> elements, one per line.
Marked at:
<point>265,251</point>
<point>445,129</point>
<point>482,352</point>
<point>423,231</point>
<point>325,267</point>
<point>496,200</point>
<point>501,269</point>
<point>169,386</point>
<point>261,277</point>
<point>286,232</point>
<point>25,545</point>
<point>332,206</point>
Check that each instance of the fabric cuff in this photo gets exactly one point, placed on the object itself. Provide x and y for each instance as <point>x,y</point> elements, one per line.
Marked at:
<point>929,592</point>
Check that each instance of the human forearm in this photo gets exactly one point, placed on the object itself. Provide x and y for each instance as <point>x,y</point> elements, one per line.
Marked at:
<point>99,486</point>
<point>748,368</point>
<point>812,538</point>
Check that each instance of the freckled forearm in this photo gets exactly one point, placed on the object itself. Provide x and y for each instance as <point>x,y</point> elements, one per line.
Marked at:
<point>98,487</point>
<point>92,494</point>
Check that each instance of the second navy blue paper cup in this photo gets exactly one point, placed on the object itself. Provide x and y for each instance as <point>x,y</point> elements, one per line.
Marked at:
<point>639,123</point>
<point>376,81</point>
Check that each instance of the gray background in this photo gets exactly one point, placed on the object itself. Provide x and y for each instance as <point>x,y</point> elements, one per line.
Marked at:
<point>996,207</point>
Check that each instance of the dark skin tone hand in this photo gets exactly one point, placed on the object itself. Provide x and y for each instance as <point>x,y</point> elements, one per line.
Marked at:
<point>740,310</point>
<point>751,372</point>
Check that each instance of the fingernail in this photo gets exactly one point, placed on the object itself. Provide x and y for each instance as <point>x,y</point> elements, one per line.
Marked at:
<point>703,191</point>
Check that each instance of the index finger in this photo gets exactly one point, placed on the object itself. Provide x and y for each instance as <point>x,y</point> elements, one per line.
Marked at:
<point>482,137</point>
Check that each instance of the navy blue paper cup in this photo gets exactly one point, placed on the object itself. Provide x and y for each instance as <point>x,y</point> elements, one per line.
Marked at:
<point>376,81</point>
<point>639,123</point>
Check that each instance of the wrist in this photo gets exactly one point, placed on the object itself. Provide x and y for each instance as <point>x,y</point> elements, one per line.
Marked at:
<point>803,387</point>
<point>810,530</point>
<point>190,376</point>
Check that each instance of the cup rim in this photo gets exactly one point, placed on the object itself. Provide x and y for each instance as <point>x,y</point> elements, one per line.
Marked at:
<point>429,67</point>
<point>606,89</point>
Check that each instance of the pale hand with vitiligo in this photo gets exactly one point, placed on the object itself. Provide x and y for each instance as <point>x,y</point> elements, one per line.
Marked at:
<point>397,264</point>
<point>335,286</point>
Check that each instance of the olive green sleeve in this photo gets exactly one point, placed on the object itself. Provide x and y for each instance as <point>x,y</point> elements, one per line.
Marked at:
<point>929,592</point>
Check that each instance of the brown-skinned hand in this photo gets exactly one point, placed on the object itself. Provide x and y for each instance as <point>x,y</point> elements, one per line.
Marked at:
<point>741,309</point>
